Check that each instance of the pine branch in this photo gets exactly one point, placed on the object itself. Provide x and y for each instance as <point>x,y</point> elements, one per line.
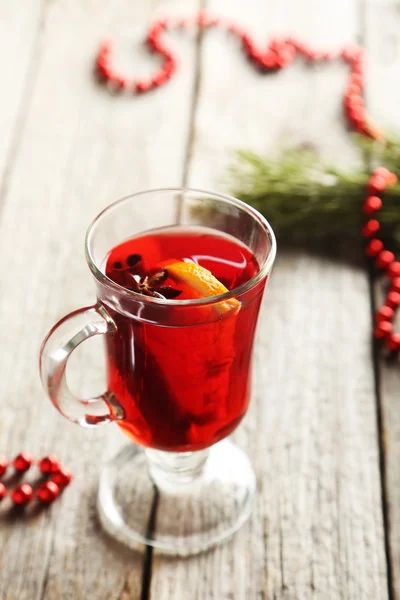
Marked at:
<point>303,197</point>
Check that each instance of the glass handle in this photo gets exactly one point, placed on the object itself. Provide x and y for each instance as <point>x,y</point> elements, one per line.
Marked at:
<point>56,349</point>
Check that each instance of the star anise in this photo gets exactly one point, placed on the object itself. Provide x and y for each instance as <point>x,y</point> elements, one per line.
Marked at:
<point>152,285</point>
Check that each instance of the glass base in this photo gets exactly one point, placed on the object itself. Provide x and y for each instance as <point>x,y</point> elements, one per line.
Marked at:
<point>179,503</point>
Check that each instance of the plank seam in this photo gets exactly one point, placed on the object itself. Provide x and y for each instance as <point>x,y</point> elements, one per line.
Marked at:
<point>381,449</point>
<point>375,350</point>
<point>148,560</point>
<point>194,102</point>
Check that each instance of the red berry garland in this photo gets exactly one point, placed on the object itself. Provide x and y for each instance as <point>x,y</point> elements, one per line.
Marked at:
<point>47,491</point>
<point>279,54</point>
<point>384,259</point>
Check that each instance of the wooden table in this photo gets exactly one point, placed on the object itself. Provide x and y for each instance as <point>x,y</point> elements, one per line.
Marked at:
<point>323,430</point>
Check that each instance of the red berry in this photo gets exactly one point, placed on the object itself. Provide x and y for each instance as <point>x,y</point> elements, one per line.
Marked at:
<point>169,66</point>
<point>3,491</point>
<point>350,53</point>
<point>160,78</point>
<point>358,68</point>
<point>384,259</point>
<point>103,65</point>
<point>393,299</point>
<point>394,269</point>
<point>357,80</point>
<point>23,462</point>
<point>155,44</point>
<point>377,183</point>
<point>276,44</point>
<point>390,177</point>
<point>358,114</point>
<point>383,329</point>
<point>49,464</point>
<point>3,465</point>
<point>353,89</point>
<point>254,55</point>
<point>269,60</point>
<point>360,126</point>
<point>385,313</point>
<point>372,204</point>
<point>284,58</point>
<point>62,477</point>
<point>370,228</point>
<point>395,285</point>
<point>22,494</point>
<point>142,86</point>
<point>247,41</point>
<point>382,172</point>
<point>48,492</point>
<point>393,342</point>
<point>373,248</point>
<point>353,101</point>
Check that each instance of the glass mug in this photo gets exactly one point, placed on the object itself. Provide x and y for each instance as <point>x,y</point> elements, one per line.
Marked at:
<point>179,379</point>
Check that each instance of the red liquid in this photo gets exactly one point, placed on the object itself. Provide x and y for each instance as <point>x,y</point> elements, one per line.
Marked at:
<point>186,385</point>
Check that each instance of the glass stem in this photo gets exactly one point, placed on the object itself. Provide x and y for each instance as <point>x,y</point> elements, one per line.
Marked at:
<point>172,469</point>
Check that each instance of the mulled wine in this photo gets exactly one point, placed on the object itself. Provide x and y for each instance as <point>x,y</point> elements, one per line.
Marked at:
<point>183,385</point>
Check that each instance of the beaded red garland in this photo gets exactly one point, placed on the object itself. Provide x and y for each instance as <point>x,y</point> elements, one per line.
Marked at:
<point>47,491</point>
<point>279,54</point>
<point>384,259</point>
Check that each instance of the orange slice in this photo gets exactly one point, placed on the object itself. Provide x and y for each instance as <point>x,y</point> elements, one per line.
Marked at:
<point>203,284</point>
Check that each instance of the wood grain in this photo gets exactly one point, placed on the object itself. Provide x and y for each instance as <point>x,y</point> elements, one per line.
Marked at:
<point>382,40</point>
<point>80,149</point>
<point>20,45</point>
<point>317,529</point>
<point>68,149</point>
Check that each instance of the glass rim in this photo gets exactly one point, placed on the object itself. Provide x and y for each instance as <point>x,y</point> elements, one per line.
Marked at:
<point>234,293</point>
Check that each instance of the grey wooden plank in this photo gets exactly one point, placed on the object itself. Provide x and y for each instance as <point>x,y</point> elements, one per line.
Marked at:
<point>311,431</point>
<point>20,32</point>
<point>81,149</point>
<point>383,99</point>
